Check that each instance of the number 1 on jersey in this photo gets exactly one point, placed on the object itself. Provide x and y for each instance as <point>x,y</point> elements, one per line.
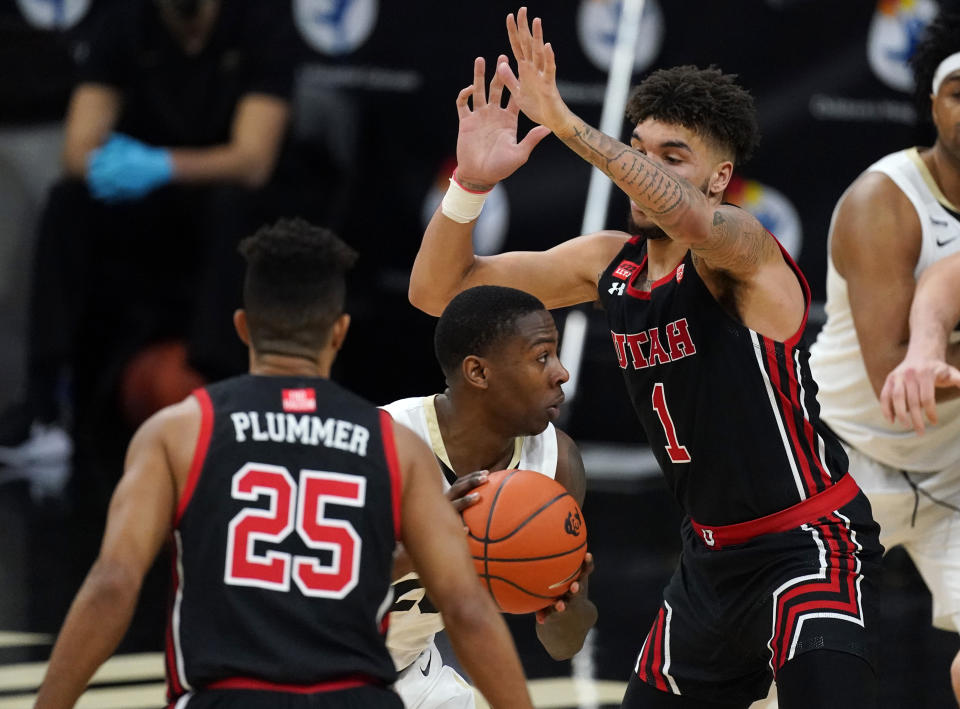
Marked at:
<point>677,453</point>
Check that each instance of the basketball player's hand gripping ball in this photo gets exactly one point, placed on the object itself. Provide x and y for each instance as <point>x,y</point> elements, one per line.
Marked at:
<point>527,538</point>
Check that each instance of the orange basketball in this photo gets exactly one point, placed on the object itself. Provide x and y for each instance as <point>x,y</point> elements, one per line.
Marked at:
<point>527,538</point>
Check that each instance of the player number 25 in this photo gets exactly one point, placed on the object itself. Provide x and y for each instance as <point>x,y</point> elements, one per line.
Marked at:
<point>301,506</point>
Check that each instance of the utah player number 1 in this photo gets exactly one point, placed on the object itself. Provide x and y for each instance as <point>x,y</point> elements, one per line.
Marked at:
<point>677,453</point>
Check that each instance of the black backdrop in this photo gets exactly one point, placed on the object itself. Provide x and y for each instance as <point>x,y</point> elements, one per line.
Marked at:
<point>376,127</point>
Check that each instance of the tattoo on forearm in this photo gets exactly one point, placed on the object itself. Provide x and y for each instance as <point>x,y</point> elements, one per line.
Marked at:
<point>654,189</point>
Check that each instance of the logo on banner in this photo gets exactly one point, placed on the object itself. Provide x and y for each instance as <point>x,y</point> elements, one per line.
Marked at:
<point>300,400</point>
<point>597,22</point>
<point>53,14</point>
<point>771,208</point>
<point>895,31</point>
<point>335,27</point>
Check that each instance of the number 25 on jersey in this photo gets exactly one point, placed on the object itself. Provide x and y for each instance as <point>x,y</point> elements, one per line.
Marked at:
<point>301,506</point>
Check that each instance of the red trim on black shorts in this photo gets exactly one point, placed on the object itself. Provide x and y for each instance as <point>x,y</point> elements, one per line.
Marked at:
<point>396,481</point>
<point>199,452</point>
<point>813,508</point>
<point>333,685</point>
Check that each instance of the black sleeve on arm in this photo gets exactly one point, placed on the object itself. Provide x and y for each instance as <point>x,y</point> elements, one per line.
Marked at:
<point>273,49</point>
<point>107,57</point>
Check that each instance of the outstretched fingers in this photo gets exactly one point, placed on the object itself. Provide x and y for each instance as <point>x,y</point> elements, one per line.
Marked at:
<point>479,81</point>
<point>463,109</point>
<point>496,84</point>
<point>530,140</point>
<point>536,44</point>
<point>509,79</point>
<point>513,34</point>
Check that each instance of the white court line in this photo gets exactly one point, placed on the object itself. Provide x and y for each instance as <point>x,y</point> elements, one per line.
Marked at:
<point>146,696</point>
<point>553,693</point>
<point>27,676</point>
<point>12,639</point>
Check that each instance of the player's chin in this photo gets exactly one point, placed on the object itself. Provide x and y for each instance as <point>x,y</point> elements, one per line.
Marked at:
<point>638,216</point>
<point>553,413</point>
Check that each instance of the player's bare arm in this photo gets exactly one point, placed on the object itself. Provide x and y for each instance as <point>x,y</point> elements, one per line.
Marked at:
<point>563,627</point>
<point>259,124</point>
<point>93,112</point>
<point>138,523</point>
<point>433,534</point>
<point>876,252</point>
<point>731,244</point>
<point>910,390</point>
<point>488,152</point>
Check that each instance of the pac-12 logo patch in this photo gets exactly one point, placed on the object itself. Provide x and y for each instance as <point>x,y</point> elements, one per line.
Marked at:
<point>625,270</point>
<point>300,400</point>
<point>680,272</point>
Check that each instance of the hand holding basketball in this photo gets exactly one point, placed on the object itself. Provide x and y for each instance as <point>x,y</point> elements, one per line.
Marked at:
<point>576,588</point>
<point>527,539</point>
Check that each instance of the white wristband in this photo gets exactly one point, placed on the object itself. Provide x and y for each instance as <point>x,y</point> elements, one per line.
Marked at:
<point>460,204</point>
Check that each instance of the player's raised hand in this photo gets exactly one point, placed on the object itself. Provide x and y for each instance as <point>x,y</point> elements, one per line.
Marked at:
<point>534,86</point>
<point>487,147</point>
<point>909,392</point>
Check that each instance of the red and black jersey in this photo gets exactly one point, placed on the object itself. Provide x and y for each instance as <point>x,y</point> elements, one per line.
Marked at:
<point>731,415</point>
<point>284,540</point>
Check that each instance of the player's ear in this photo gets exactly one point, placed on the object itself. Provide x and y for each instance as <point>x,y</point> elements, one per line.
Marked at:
<point>722,173</point>
<point>241,325</point>
<point>338,333</point>
<point>474,370</point>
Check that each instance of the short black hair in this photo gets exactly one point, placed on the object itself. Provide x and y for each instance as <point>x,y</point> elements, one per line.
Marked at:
<point>477,320</point>
<point>294,289</point>
<point>706,101</point>
<point>940,39</point>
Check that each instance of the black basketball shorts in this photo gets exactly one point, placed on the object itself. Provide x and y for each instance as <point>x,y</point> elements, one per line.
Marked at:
<point>740,606</point>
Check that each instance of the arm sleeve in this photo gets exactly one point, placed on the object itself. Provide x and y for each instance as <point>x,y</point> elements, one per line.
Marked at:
<point>106,57</point>
<point>273,50</point>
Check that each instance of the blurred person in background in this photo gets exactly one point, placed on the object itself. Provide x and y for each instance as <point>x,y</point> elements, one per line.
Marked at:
<point>173,136</point>
<point>898,219</point>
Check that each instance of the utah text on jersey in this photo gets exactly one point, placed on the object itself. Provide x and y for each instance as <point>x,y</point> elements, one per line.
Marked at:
<point>648,350</point>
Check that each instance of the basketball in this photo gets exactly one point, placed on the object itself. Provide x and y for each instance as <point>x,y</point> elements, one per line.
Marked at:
<point>527,539</point>
<point>157,376</point>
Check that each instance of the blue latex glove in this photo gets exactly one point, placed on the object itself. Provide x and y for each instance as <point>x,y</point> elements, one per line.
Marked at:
<point>125,169</point>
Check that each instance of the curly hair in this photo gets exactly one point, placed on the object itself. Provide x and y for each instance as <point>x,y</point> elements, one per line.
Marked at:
<point>294,287</point>
<point>476,321</point>
<point>706,101</point>
<point>940,39</point>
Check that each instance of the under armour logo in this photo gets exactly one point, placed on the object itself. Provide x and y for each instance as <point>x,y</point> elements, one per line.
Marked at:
<point>573,523</point>
<point>708,537</point>
<point>617,289</point>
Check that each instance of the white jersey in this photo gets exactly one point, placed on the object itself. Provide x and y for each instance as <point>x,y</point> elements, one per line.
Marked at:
<point>413,619</point>
<point>847,400</point>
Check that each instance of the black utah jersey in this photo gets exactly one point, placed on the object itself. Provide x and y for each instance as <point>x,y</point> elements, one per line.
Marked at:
<point>283,540</point>
<point>731,415</point>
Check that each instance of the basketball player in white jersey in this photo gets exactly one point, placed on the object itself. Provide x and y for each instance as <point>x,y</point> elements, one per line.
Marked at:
<point>899,217</point>
<point>497,348</point>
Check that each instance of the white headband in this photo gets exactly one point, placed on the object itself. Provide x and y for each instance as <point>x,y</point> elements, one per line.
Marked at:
<point>947,67</point>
